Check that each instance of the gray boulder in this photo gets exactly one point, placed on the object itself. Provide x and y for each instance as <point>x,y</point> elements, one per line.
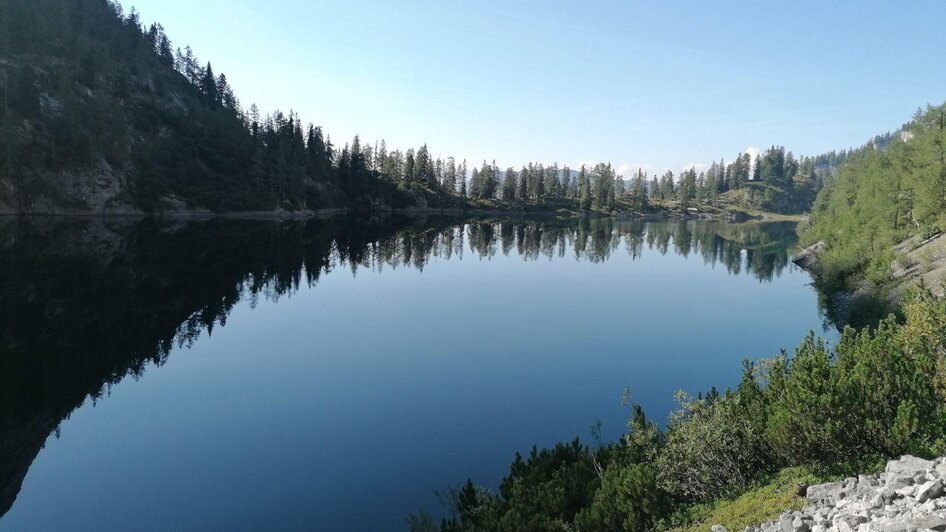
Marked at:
<point>829,492</point>
<point>908,466</point>
<point>931,490</point>
<point>931,522</point>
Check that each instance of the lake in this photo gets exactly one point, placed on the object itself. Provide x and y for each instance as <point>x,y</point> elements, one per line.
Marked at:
<point>331,375</point>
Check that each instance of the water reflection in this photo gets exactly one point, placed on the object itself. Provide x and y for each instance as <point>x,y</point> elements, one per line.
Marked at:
<point>756,249</point>
<point>84,304</point>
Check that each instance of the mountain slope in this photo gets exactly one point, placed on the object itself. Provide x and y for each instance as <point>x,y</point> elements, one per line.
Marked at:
<point>98,114</point>
<point>881,196</point>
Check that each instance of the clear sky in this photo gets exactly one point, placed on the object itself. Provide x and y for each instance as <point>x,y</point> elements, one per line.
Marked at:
<point>639,83</point>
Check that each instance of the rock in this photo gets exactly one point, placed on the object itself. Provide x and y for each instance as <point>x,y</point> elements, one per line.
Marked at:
<point>909,496</point>
<point>844,526</point>
<point>718,528</point>
<point>883,498</point>
<point>801,525</point>
<point>808,257</point>
<point>831,491</point>
<point>908,466</point>
<point>931,490</point>
<point>896,483</point>
<point>931,522</point>
<point>906,491</point>
<point>939,469</point>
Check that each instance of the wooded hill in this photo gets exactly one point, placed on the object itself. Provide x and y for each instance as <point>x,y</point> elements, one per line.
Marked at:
<point>100,113</point>
<point>884,194</point>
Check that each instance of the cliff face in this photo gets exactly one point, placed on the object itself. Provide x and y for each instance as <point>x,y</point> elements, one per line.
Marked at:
<point>103,190</point>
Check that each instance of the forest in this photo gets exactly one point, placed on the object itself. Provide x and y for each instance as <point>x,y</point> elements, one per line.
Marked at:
<point>884,193</point>
<point>102,112</point>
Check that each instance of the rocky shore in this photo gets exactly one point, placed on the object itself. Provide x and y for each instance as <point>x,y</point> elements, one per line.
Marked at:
<point>908,496</point>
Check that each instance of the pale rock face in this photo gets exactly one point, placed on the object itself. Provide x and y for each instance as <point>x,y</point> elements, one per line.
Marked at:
<point>909,496</point>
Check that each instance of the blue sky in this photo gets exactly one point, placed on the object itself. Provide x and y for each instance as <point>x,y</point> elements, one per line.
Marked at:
<point>655,84</point>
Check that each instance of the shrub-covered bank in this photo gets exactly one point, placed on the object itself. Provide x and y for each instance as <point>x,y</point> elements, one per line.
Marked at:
<point>832,410</point>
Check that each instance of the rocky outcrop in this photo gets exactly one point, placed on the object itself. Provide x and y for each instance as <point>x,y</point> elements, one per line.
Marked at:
<point>908,496</point>
<point>921,261</point>
<point>807,258</point>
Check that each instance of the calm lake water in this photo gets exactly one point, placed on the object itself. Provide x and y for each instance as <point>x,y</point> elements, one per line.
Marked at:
<point>246,375</point>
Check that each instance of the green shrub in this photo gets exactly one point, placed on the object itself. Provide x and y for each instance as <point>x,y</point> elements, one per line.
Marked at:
<point>877,394</point>
<point>628,499</point>
<point>711,450</point>
<point>880,269</point>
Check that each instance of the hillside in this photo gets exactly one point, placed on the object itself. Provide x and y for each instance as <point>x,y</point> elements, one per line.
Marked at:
<point>883,195</point>
<point>99,115</point>
<point>792,196</point>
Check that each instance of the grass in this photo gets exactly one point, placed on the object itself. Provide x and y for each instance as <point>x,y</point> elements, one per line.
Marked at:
<point>764,502</point>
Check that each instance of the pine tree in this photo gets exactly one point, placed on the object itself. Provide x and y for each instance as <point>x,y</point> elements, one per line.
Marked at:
<point>208,86</point>
<point>409,166</point>
<point>584,190</point>
<point>523,186</point>
<point>509,185</point>
<point>450,175</point>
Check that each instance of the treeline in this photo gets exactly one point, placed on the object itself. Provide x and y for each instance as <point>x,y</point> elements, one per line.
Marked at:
<point>87,87</point>
<point>876,394</point>
<point>884,193</point>
<point>773,173</point>
<point>767,179</point>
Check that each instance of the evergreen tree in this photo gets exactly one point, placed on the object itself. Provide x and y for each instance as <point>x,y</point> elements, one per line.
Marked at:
<point>410,170</point>
<point>638,192</point>
<point>523,186</point>
<point>687,190</point>
<point>584,190</point>
<point>462,177</point>
<point>450,175</point>
<point>208,86</point>
<point>509,185</point>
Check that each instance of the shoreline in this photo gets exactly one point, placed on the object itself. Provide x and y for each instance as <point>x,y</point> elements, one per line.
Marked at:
<point>665,215</point>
